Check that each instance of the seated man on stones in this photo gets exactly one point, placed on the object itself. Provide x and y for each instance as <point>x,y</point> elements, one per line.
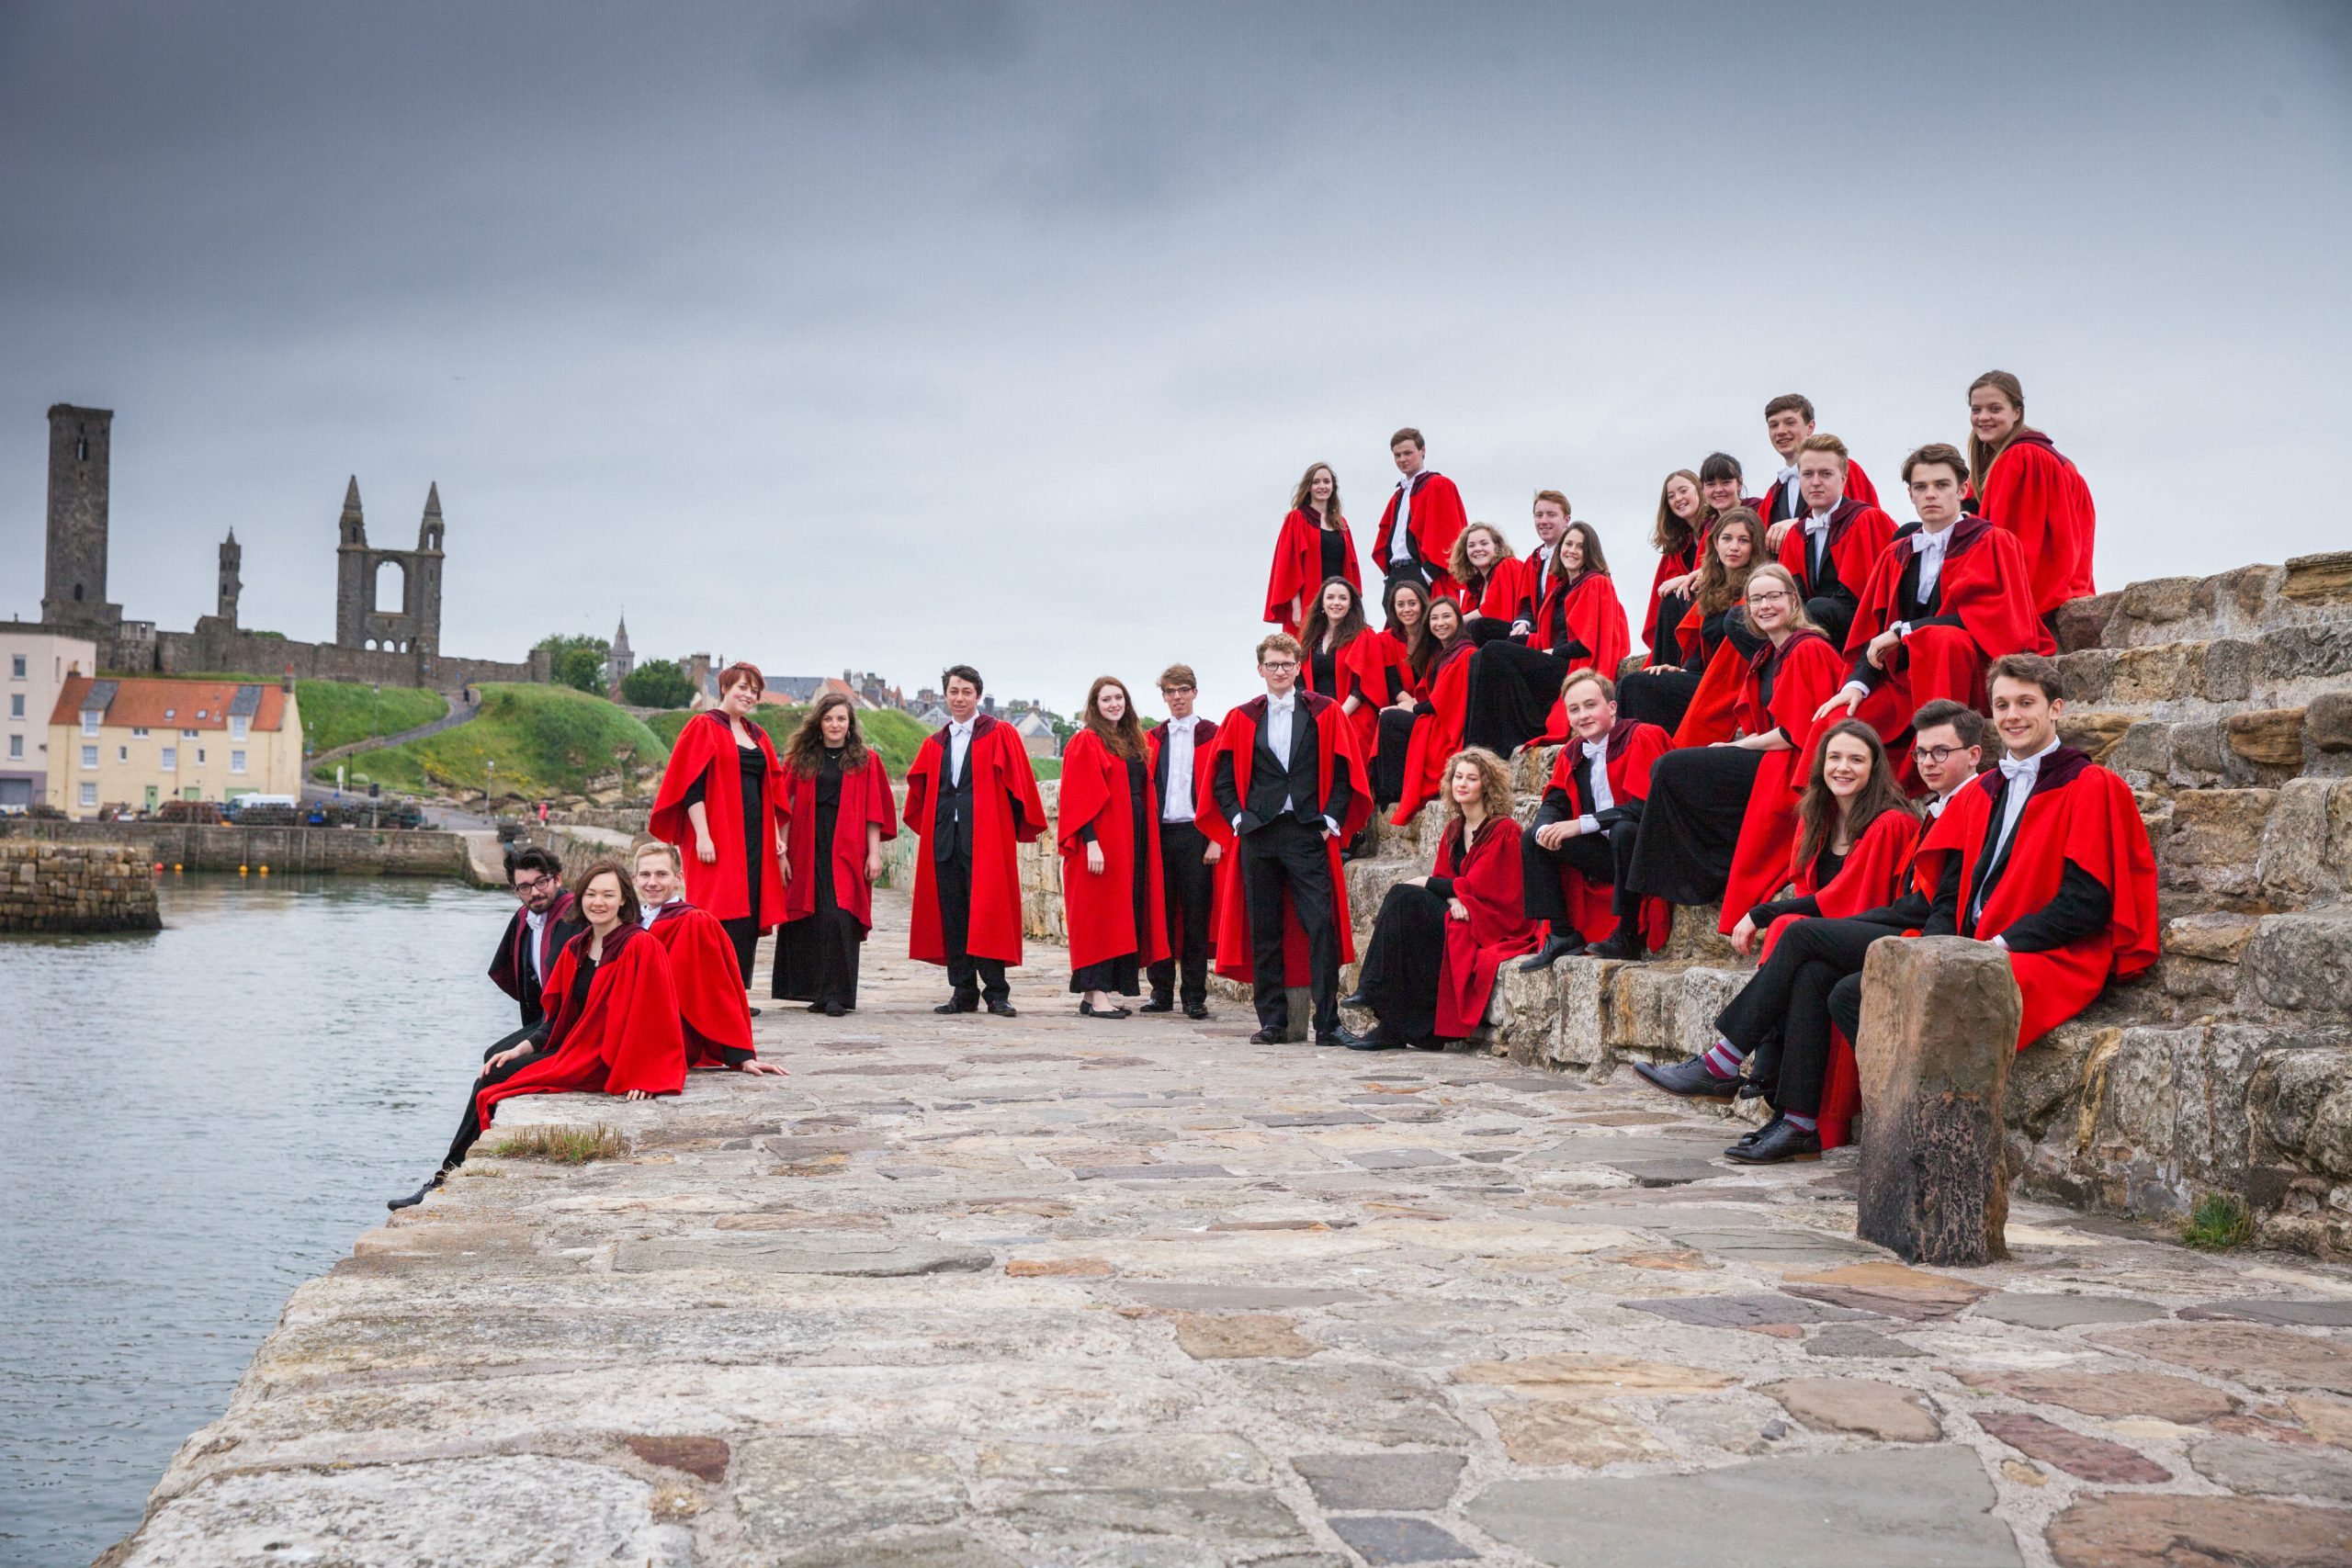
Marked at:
<point>712,1010</point>
<point>2044,856</point>
<point>1574,856</point>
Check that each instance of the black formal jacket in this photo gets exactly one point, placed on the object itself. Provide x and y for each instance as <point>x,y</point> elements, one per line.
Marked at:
<point>512,967</point>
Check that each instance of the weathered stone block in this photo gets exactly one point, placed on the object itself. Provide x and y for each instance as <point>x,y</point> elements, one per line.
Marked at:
<point>1526,1012</point>
<point>2225,670</point>
<point>2307,841</point>
<point>2272,738</point>
<point>2298,1106</point>
<point>2302,963</point>
<point>2082,622</point>
<point>2216,938</point>
<point>2215,836</point>
<point>2087,673</point>
<point>2160,673</point>
<point>2143,753</point>
<point>2293,653</point>
<point>1704,992</point>
<point>1581,1041</point>
<point>2198,749</point>
<point>1940,1022</point>
<point>2097,733</point>
<point>2324,579</point>
<point>2159,599</point>
<point>2327,723</point>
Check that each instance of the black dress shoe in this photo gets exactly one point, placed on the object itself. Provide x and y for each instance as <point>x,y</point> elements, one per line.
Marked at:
<point>1348,1037</point>
<point>1005,1009</point>
<point>834,1009</point>
<point>755,1012</point>
<point>1690,1080</point>
<point>1432,1043</point>
<point>1158,1004</point>
<point>1355,1000</point>
<point>413,1198</point>
<point>1753,1133</point>
<point>1269,1037</point>
<point>1779,1143</point>
<point>1555,949</point>
<point>1088,1009</point>
<point>1621,945</point>
<point>1196,1010</point>
<point>959,1003</point>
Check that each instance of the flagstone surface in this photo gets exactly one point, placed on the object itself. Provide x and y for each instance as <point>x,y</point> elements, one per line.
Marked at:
<point>966,1291</point>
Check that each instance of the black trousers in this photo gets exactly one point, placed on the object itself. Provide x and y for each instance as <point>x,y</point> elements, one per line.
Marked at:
<point>1288,856</point>
<point>1187,883</point>
<point>1658,696</point>
<point>1512,688</point>
<point>743,933</point>
<point>1404,964</point>
<point>508,1042</point>
<point>1690,823</point>
<point>1782,1016</point>
<point>974,978</point>
<point>471,1128</point>
<point>1396,741</point>
<point>1671,608</point>
<point>1605,856</point>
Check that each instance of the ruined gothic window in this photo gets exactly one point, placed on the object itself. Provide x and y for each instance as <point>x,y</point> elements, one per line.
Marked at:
<point>82,450</point>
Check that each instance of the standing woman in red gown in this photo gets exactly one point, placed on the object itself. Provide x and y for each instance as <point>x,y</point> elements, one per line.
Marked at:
<point>1314,547</point>
<point>717,803</point>
<point>1109,836</point>
<point>1679,534</point>
<point>2021,483</point>
<point>835,801</point>
<point>1398,650</point>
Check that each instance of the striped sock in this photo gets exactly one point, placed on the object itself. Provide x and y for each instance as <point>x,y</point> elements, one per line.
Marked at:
<point>1723,1059</point>
<point>1802,1123</point>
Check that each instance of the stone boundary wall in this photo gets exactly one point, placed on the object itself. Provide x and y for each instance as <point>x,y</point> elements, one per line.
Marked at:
<point>74,888</point>
<point>630,820</point>
<point>341,851</point>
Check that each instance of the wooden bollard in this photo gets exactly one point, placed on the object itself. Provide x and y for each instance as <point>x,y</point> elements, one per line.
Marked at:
<point>1939,1029</point>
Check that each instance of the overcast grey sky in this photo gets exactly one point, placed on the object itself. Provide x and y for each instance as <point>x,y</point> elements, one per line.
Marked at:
<point>887,335</point>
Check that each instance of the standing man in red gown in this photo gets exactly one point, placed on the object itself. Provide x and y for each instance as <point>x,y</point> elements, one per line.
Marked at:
<point>1183,753</point>
<point>1422,520</point>
<point>972,798</point>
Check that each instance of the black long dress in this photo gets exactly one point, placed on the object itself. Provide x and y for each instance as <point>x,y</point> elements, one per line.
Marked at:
<point>1335,553</point>
<point>1405,960</point>
<point>1123,974</point>
<point>743,931</point>
<point>1691,822</point>
<point>1513,686</point>
<point>1663,697</point>
<point>816,956</point>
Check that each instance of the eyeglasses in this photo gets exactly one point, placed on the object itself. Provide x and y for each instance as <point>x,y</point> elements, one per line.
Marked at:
<point>525,889</point>
<point>1938,755</point>
<point>1773,598</point>
<point>1277,667</point>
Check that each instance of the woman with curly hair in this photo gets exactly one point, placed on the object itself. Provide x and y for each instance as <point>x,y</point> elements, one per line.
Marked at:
<point>1440,938</point>
<point>836,806</point>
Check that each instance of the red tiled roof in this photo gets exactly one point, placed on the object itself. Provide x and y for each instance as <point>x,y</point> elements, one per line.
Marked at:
<point>169,705</point>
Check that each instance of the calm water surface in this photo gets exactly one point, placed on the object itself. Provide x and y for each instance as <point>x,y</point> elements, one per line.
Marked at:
<point>196,1121</point>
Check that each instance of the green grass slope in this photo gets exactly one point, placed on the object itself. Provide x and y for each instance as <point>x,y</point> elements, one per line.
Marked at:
<point>544,740</point>
<point>338,713</point>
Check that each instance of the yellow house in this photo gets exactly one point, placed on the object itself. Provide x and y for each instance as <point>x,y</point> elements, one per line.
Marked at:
<point>137,743</point>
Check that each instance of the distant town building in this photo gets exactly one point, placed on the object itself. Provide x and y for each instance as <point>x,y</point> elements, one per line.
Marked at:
<point>34,666</point>
<point>1036,732</point>
<point>138,742</point>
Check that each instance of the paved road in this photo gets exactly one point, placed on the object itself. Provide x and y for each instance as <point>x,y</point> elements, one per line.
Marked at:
<point>965,1290</point>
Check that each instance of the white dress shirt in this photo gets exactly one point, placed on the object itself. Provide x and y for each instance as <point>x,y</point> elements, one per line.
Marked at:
<point>1816,540</point>
<point>2019,775</point>
<point>1176,754</point>
<point>1541,563</point>
<point>646,916</point>
<point>1400,542</point>
<point>1930,547</point>
<point>1788,481</point>
<point>536,922</point>
<point>1280,711</point>
<point>959,745</point>
<point>1596,753</point>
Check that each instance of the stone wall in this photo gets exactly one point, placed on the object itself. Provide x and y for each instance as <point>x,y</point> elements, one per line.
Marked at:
<point>341,852</point>
<point>215,648</point>
<point>74,888</point>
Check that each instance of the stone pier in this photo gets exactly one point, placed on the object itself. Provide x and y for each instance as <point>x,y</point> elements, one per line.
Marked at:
<point>74,888</point>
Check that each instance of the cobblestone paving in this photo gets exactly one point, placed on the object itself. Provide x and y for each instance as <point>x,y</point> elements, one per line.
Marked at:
<point>1052,1290</point>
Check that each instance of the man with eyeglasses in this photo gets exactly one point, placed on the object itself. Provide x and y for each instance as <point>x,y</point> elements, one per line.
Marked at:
<point>548,918</point>
<point>1287,780</point>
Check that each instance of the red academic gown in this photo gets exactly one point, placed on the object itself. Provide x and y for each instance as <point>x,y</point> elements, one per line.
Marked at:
<point>1633,748</point>
<point>2079,812</point>
<point>1858,487</point>
<point>1806,672</point>
<point>1596,618</point>
<point>1204,814</point>
<point>1382,672</point>
<point>705,751</point>
<point>865,802</point>
<point>1446,693</point>
<point>1335,739</point>
<point>1670,563</point>
<point>1874,875</point>
<point>1507,596</point>
<point>712,1010</point>
<point>1858,533</point>
<point>1099,912</point>
<point>625,1036</point>
<point>1983,586</point>
<point>1486,880</point>
<point>2035,493</point>
<point>1298,566</point>
<point>1713,707</point>
<point>1001,781</point>
<point>1436,521</point>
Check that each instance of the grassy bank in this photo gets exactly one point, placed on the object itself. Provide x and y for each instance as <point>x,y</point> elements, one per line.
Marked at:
<point>338,713</point>
<point>544,740</point>
<point>896,737</point>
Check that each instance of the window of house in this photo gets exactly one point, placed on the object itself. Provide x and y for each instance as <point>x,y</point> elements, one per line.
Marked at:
<point>16,667</point>
<point>199,713</point>
<point>89,756</point>
<point>240,727</point>
<point>169,758</point>
<point>199,756</point>
<point>90,721</point>
<point>122,753</point>
<point>15,705</point>
<point>188,734</point>
<point>236,761</point>
<point>89,796</point>
<point>139,732</point>
<point>171,713</point>
<point>15,746</point>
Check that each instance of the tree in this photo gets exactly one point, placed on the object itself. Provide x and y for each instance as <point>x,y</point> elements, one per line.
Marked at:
<point>583,668</point>
<point>658,683</point>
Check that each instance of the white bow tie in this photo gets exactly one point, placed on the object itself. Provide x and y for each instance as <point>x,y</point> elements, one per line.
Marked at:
<point>1818,523</point>
<point>1786,475</point>
<point>1594,750</point>
<point>2013,769</point>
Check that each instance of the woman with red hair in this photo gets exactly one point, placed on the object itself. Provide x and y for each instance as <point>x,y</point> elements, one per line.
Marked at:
<point>718,803</point>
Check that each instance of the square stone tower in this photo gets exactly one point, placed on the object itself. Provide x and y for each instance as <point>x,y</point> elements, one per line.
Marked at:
<point>74,592</point>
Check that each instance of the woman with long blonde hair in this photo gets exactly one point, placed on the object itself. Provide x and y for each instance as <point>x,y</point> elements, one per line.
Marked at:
<point>1314,547</point>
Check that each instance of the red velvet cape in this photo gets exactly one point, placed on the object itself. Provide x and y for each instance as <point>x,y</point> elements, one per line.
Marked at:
<point>1436,521</point>
<point>2035,493</point>
<point>1433,744</point>
<point>1713,706</point>
<point>705,751</point>
<point>712,1010</point>
<point>1099,912</point>
<point>1670,563</point>
<point>1809,673</point>
<point>1382,673</point>
<point>624,1036</point>
<point>1633,748</point>
<point>1486,880</point>
<point>1204,811</point>
<point>865,802</point>
<point>1298,565</point>
<point>1596,619</point>
<point>514,948</point>
<point>2078,812</point>
<point>1335,737</point>
<point>1000,774</point>
<point>1859,535</point>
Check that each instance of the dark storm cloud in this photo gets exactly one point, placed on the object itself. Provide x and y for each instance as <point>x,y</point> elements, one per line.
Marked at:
<point>771,320</point>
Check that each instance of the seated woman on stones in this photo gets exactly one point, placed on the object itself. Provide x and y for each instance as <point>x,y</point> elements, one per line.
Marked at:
<point>1720,818</point>
<point>1679,537</point>
<point>1514,689</point>
<point>1389,683</point>
<point>1691,694</point>
<point>1439,938</point>
<point>1496,589</point>
<point>612,1024</point>
<point>1437,718</point>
